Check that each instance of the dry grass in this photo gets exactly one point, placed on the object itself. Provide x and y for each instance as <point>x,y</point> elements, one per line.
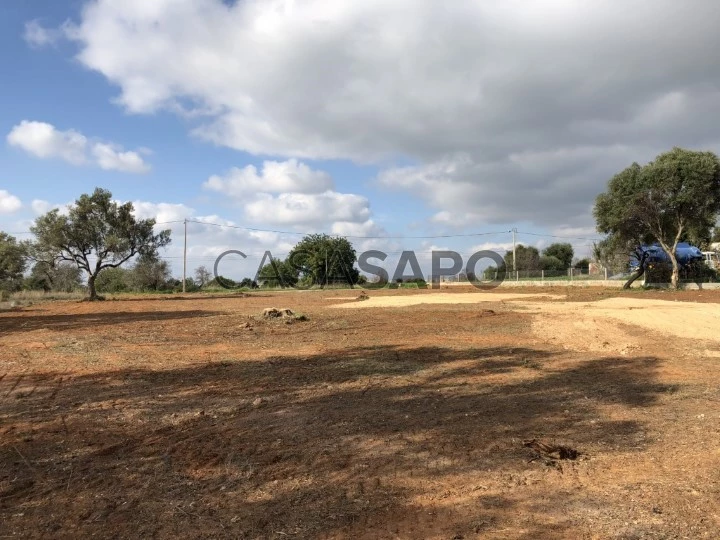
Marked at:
<point>38,296</point>
<point>28,298</point>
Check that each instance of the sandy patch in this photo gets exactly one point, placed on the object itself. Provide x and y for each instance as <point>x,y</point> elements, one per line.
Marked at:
<point>585,324</point>
<point>442,298</point>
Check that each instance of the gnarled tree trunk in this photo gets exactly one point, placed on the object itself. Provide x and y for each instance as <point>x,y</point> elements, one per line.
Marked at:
<point>92,292</point>
<point>640,271</point>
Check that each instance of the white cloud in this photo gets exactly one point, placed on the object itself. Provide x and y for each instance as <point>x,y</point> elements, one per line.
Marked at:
<point>112,158</point>
<point>208,236</point>
<point>162,212</point>
<point>290,194</point>
<point>37,35</point>
<point>40,207</point>
<point>9,203</point>
<point>275,177</point>
<point>499,247</point>
<point>45,141</point>
<point>300,209</point>
<point>365,236</point>
<point>500,90</point>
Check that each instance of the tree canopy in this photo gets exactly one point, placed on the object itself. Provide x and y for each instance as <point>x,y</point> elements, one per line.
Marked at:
<point>13,261</point>
<point>150,274</point>
<point>278,273</point>
<point>323,260</point>
<point>57,276</point>
<point>97,234</point>
<point>715,235</point>
<point>203,276</point>
<point>562,251</point>
<point>672,199</point>
<point>527,258</point>
<point>318,259</point>
<point>550,263</point>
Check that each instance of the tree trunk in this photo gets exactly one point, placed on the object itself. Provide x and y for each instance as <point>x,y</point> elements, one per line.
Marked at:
<point>675,279</point>
<point>637,275</point>
<point>642,258</point>
<point>92,293</point>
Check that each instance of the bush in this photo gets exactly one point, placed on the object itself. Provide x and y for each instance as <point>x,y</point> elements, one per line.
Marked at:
<point>696,272</point>
<point>113,280</point>
<point>550,263</point>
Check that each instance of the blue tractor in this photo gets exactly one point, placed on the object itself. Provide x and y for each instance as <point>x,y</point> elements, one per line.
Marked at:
<point>653,259</point>
<point>651,255</point>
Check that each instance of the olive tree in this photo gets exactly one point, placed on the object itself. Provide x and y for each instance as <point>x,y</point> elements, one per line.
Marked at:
<point>674,198</point>
<point>97,233</point>
<point>13,261</point>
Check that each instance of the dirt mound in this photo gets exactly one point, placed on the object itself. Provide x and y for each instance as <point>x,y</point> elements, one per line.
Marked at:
<point>275,313</point>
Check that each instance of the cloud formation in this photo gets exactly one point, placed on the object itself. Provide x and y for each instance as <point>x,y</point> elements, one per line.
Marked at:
<point>111,157</point>
<point>275,177</point>
<point>507,110</point>
<point>291,194</point>
<point>37,35</point>
<point>9,203</point>
<point>45,141</point>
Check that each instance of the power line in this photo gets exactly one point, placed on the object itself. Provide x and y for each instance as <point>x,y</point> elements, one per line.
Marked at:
<point>358,237</point>
<point>253,229</point>
<point>30,232</point>
<point>594,239</point>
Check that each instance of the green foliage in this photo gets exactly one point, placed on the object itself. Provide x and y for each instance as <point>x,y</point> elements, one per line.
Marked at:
<point>490,272</point>
<point>278,274</point>
<point>150,274</point>
<point>97,234</point>
<point>612,254</point>
<point>190,285</point>
<point>321,260</point>
<point>248,283</point>
<point>549,263</point>
<point>202,276</point>
<point>674,198</point>
<point>318,259</point>
<point>13,261</point>
<point>54,276</point>
<point>582,264</point>
<point>114,280</point>
<point>715,235</point>
<point>562,252</point>
<point>414,283</point>
<point>527,258</point>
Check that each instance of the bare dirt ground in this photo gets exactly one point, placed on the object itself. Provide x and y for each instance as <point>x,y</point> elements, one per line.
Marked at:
<point>194,417</point>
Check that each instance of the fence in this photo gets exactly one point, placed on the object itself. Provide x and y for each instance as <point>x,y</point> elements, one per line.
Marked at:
<point>652,276</point>
<point>571,274</point>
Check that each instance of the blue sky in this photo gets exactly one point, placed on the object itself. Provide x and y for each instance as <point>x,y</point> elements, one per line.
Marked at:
<point>357,119</point>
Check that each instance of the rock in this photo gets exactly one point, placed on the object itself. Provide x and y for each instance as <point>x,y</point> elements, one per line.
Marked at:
<point>258,402</point>
<point>274,313</point>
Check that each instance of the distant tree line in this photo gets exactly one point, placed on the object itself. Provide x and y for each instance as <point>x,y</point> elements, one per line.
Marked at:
<point>557,258</point>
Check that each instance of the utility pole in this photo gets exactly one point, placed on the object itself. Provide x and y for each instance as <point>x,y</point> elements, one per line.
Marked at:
<point>185,256</point>
<point>514,231</point>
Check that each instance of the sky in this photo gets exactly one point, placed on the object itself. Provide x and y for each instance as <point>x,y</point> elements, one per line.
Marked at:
<point>403,124</point>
